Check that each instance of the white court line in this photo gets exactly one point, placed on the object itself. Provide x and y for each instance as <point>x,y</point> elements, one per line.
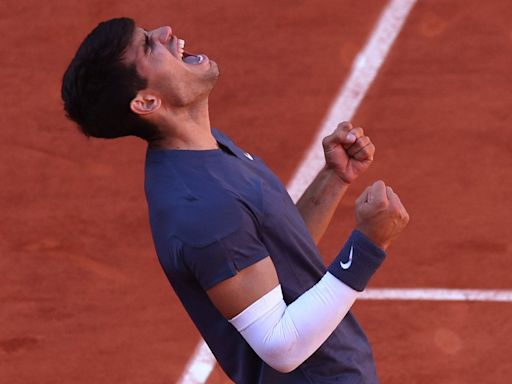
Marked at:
<point>199,366</point>
<point>364,69</point>
<point>363,72</point>
<point>437,294</point>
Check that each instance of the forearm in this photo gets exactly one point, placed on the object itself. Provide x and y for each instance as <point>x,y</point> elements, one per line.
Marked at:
<point>318,203</point>
<point>285,336</point>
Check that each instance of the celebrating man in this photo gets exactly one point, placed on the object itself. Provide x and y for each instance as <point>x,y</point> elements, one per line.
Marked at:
<point>240,255</point>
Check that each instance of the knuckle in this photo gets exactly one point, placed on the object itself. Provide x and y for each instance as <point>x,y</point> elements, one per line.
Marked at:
<point>362,142</point>
<point>365,154</point>
<point>344,125</point>
<point>379,184</point>
<point>358,131</point>
<point>401,215</point>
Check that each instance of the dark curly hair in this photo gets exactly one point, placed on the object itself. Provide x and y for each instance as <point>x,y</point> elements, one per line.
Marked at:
<point>97,87</point>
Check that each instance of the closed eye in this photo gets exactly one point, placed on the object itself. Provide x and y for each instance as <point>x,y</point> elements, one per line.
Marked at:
<point>147,44</point>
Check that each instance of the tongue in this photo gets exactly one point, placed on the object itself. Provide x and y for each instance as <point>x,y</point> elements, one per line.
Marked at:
<point>192,59</point>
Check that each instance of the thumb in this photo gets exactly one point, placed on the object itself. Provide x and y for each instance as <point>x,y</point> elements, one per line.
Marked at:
<point>377,194</point>
<point>350,138</point>
<point>343,133</point>
<point>338,138</point>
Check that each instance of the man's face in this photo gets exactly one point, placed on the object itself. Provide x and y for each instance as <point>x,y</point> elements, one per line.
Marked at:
<point>177,77</point>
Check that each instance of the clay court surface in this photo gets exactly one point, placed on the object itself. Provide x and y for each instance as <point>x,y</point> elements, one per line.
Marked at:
<point>82,296</point>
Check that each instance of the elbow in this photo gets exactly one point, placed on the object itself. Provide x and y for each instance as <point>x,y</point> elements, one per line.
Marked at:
<point>282,365</point>
<point>285,367</point>
<point>282,358</point>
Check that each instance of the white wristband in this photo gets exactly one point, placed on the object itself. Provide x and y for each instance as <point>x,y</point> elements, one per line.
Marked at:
<point>285,336</point>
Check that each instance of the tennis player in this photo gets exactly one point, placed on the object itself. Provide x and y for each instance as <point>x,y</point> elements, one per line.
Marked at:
<point>241,256</point>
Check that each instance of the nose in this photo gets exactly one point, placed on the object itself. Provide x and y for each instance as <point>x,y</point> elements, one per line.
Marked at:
<point>163,34</point>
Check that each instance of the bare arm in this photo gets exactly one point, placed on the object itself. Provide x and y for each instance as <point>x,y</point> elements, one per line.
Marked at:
<point>320,200</point>
<point>233,295</point>
<point>348,153</point>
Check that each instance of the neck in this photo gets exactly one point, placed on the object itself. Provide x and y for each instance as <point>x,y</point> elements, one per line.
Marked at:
<point>186,127</point>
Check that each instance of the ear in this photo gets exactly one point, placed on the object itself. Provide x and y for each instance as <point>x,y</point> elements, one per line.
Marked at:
<point>143,103</point>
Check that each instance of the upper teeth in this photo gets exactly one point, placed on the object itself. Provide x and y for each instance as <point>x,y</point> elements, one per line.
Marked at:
<point>181,46</point>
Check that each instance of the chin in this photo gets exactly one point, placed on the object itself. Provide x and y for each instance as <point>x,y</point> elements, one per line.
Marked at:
<point>214,68</point>
<point>212,75</point>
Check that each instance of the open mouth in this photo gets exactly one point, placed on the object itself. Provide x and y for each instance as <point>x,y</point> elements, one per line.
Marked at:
<point>187,57</point>
<point>190,58</point>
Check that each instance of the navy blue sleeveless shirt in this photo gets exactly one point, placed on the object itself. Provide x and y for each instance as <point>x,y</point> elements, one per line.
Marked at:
<point>216,212</point>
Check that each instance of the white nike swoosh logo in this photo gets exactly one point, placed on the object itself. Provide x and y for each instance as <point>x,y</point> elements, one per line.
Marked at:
<point>248,155</point>
<point>349,262</point>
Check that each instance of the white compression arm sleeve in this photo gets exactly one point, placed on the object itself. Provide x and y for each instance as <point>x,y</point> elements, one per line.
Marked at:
<point>285,336</point>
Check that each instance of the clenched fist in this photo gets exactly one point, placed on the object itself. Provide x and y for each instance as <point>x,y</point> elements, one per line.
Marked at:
<point>380,214</point>
<point>348,152</point>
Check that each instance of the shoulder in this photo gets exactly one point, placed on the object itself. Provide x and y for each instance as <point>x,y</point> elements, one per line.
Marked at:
<point>201,222</point>
<point>200,218</point>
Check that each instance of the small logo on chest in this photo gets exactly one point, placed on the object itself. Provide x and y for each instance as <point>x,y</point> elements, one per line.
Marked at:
<point>248,155</point>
